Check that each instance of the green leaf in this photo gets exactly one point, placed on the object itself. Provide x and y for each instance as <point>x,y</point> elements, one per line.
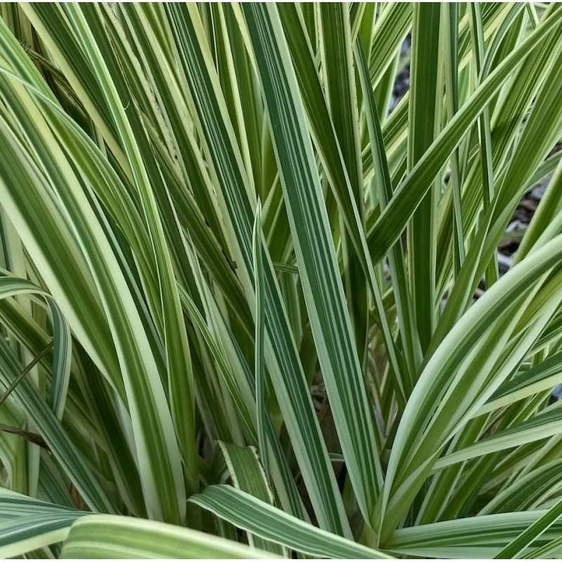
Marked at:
<point>518,545</point>
<point>257,244</point>
<point>30,532</point>
<point>110,536</point>
<point>27,524</point>
<point>248,476</point>
<point>544,376</point>
<point>541,426</point>
<point>264,520</point>
<point>481,537</point>
<point>424,116</point>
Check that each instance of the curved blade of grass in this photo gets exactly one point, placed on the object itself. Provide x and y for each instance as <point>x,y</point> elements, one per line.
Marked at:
<point>72,279</point>
<point>62,359</point>
<point>111,536</point>
<point>27,533</point>
<point>541,426</point>
<point>479,537</point>
<point>518,545</point>
<point>27,524</point>
<point>544,376</point>
<point>88,29</point>
<point>11,286</point>
<point>96,395</point>
<point>262,519</point>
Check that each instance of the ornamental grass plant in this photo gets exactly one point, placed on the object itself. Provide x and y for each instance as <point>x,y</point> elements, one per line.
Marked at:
<point>250,306</point>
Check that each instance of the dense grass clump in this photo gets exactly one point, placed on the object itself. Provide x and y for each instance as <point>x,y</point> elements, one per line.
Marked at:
<point>250,302</point>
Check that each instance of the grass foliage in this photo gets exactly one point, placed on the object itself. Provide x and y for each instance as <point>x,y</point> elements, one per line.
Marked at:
<point>248,308</point>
